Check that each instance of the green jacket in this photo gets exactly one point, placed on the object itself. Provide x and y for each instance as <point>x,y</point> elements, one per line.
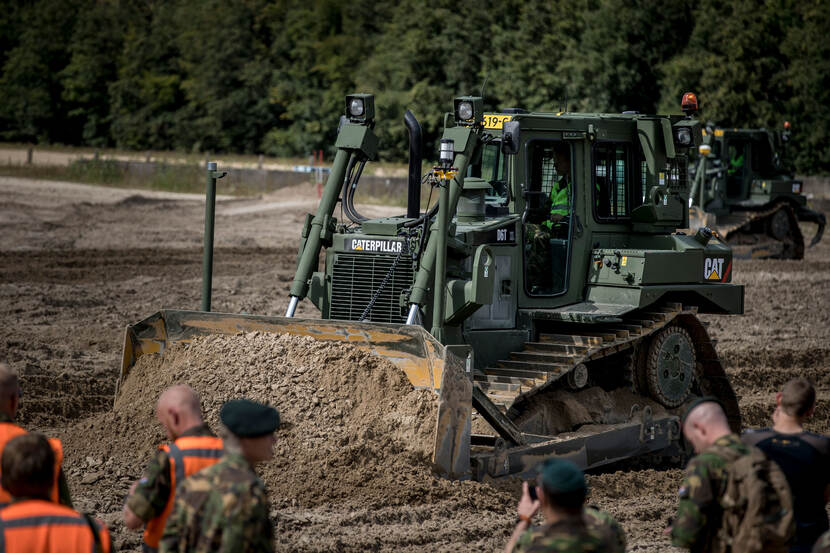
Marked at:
<point>699,513</point>
<point>560,199</point>
<point>221,508</point>
<point>596,531</point>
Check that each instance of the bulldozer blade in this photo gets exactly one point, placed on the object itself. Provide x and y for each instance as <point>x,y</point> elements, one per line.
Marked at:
<point>425,361</point>
<point>809,216</point>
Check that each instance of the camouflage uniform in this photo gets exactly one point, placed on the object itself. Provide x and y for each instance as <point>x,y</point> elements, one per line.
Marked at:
<point>698,509</point>
<point>537,245</point>
<point>221,508</point>
<point>823,543</point>
<point>150,496</point>
<point>596,531</point>
<point>64,497</point>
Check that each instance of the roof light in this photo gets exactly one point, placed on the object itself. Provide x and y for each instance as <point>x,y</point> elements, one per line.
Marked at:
<point>465,111</point>
<point>356,107</point>
<point>689,103</point>
<point>468,110</point>
<point>360,108</point>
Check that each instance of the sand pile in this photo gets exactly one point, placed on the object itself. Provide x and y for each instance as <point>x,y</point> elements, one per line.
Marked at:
<point>353,429</point>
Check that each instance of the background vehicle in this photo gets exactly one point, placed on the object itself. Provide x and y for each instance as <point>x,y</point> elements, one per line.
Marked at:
<point>744,190</point>
<point>577,337</point>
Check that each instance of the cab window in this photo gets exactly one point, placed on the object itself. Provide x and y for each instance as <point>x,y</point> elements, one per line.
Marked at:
<point>491,167</point>
<point>614,189</point>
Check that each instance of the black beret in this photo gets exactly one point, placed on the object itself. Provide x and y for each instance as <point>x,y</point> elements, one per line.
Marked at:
<point>561,476</point>
<point>248,419</point>
<point>695,403</point>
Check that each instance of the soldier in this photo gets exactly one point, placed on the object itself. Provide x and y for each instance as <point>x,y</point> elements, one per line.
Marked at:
<point>225,507</point>
<point>193,448</point>
<point>9,403</point>
<point>802,456</point>
<point>32,522</point>
<point>570,526</point>
<point>701,523</point>
<point>560,193</point>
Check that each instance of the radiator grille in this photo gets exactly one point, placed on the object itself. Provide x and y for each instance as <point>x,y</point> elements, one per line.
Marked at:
<point>355,280</point>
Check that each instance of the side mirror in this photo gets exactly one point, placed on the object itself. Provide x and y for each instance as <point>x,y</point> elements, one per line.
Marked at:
<point>510,137</point>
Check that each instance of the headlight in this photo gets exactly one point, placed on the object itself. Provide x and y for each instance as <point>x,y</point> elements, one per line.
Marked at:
<point>356,107</point>
<point>360,108</point>
<point>465,111</point>
<point>683,136</point>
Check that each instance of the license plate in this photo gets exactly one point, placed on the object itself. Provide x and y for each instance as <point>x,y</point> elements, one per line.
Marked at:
<point>495,120</point>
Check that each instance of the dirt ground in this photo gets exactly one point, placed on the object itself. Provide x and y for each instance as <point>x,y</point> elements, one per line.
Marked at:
<point>78,263</point>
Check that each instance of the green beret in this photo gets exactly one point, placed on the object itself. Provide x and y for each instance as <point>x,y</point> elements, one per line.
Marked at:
<point>561,476</point>
<point>695,403</point>
<point>249,419</point>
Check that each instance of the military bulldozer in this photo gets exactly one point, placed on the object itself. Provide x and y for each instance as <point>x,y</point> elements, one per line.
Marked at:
<point>744,190</point>
<point>567,329</point>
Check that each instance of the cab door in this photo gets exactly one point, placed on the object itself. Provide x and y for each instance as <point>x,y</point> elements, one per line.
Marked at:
<point>548,217</point>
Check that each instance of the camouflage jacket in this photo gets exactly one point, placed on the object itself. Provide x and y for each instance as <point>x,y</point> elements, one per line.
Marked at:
<point>823,543</point>
<point>155,486</point>
<point>596,531</point>
<point>221,508</point>
<point>698,509</point>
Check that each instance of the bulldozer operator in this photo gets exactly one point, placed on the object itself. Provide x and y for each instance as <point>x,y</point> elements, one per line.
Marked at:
<point>540,261</point>
<point>560,194</point>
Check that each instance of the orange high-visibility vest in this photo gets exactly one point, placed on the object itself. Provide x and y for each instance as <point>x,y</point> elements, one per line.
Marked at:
<point>10,430</point>
<point>36,525</point>
<point>188,455</point>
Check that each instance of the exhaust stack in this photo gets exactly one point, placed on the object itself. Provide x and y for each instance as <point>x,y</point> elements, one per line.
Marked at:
<point>413,203</point>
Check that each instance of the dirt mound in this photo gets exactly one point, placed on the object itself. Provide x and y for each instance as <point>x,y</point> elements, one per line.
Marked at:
<point>353,429</point>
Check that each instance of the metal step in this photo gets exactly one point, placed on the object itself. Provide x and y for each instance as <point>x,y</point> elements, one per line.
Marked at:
<point>632,329</point>
<point>551,368</point>
<point>658,315</point>
<point>568,339</point>
<point>517,373</point>
<point>569,349</point>
<point>543,357</point>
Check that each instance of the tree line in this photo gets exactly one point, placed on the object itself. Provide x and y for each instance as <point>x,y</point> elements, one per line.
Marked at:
<point>270,76</point>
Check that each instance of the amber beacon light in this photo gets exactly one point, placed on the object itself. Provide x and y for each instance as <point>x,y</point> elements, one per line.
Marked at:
<point>689,103</point>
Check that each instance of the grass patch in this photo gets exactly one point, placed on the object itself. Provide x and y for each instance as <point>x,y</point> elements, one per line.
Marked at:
<point>170,178</point>
<point>190,178</point>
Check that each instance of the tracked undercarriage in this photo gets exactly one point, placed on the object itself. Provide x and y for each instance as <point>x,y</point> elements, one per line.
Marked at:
<point>759,234</point>
<point>617,388</point>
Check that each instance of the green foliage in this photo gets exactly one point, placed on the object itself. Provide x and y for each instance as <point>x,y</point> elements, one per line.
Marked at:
<point>32,108</point>
<point>270,76</point>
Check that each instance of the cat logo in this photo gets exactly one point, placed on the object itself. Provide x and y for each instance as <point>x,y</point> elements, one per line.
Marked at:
<point>382,246</point>
<point>713,268</point>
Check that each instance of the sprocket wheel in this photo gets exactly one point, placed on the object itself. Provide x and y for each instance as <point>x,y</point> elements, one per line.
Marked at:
<point>779,225</point>
<point>670,366</point>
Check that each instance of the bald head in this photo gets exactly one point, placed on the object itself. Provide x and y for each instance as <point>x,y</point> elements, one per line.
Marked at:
<point>178,409</point>
<point>9,390</point>
<point>704,424</point>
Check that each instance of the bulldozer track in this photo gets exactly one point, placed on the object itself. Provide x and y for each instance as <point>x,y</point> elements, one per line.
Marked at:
<point>511,383</point>
<point>729,226</point>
